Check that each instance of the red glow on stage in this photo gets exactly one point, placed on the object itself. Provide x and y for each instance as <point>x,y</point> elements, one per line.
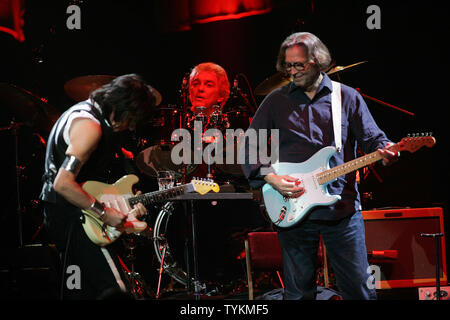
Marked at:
<point>232,16</point>
<point>191,12</point>
<point>127,154</point>
<point>241,255</point>
<point>11,18</point>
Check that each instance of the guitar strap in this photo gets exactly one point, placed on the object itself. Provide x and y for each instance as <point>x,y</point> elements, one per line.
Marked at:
<point>336,111</point>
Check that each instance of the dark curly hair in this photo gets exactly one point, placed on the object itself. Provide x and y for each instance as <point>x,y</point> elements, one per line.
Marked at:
<point>128,96</point>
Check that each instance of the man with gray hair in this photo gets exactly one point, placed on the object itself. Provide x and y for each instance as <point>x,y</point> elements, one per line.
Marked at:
<point>302,112</point>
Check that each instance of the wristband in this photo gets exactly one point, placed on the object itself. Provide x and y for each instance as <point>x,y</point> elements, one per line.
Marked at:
<point>98,208</point>
<point>71,164</point>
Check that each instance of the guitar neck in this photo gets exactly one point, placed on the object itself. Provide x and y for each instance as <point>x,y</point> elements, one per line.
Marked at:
<point>350,166</point>
<point>156,196</point>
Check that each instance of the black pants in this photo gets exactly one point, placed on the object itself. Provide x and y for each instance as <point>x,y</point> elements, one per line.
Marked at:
<point>86,273</point>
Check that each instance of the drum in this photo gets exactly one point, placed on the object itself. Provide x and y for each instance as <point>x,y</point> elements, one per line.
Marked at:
<point>156,143</point>
<point>238,119</point>
<point>158,131</point>
<point>216,120</point>
<point>191,118</point>
<point>159,158</point>
<point>231,166</point>
<point>221,230</point>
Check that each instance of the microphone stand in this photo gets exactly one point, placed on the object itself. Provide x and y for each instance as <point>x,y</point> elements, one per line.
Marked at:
<point>371,168</point>
<point>384,103</point>
<point>237,90</point>
<point>184,101</point>
<point>14,126</point>
<point>19,201</point>
<point>437,238</point>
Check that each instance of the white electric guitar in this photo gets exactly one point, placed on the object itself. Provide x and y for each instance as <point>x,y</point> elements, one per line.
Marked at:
<point>120,197</point>
<point>315,174</point>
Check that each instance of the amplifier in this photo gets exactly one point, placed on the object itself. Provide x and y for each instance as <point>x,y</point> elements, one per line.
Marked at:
<point>429,293</point>
<point>395,246</point>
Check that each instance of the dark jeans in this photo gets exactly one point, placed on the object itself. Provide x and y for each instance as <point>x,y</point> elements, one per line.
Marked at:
<point>344,241</point>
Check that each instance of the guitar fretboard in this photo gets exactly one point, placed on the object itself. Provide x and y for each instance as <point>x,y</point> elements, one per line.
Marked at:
<point>157,196</point>
<point>355,164</point>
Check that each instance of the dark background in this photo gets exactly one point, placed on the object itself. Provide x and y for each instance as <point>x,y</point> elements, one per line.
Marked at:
<point>407,67</point>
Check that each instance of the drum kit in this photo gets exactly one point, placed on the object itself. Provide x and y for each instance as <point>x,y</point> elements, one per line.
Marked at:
<point>155,144</point>
<point>156,138</point>
<point>31,119</point>
<point>170,225</point>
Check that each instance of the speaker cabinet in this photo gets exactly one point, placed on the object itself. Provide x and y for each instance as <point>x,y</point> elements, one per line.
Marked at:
<point>395,245</point>
<point>429,293</point>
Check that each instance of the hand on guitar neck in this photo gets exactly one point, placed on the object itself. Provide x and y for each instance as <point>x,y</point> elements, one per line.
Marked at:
<point>389,154</point>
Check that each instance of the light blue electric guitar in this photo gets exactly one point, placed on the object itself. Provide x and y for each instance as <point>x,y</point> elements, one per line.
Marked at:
<point>315,174</point>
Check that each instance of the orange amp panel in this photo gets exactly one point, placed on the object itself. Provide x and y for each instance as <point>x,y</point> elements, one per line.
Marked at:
<point>395,245</point>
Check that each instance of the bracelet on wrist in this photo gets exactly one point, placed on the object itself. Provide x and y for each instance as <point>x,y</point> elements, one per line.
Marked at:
<point>98,208</point>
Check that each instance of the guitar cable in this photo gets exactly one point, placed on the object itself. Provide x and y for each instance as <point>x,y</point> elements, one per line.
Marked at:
<point>282,215</point>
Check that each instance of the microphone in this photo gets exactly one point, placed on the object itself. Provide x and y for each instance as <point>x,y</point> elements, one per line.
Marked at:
<point>184,91</point>
<point>185,81</point>
<point>235,88</point>
<point>236,83</point>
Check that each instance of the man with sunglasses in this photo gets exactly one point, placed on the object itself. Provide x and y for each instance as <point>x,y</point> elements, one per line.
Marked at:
<point>81,147</point>
<point>302,112</point>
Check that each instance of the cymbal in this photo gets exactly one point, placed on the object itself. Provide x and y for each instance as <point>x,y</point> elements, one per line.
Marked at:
<point>28,107</point>
<point>279,79</point>
<point>341,68</point>
<point>273,82</point>
<point>159,158</point>
<point>158,96</point>
<point>80,88</point>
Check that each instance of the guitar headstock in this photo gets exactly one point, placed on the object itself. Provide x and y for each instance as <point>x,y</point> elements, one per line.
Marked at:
<point>203,186</point>
<point>412,143</point>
